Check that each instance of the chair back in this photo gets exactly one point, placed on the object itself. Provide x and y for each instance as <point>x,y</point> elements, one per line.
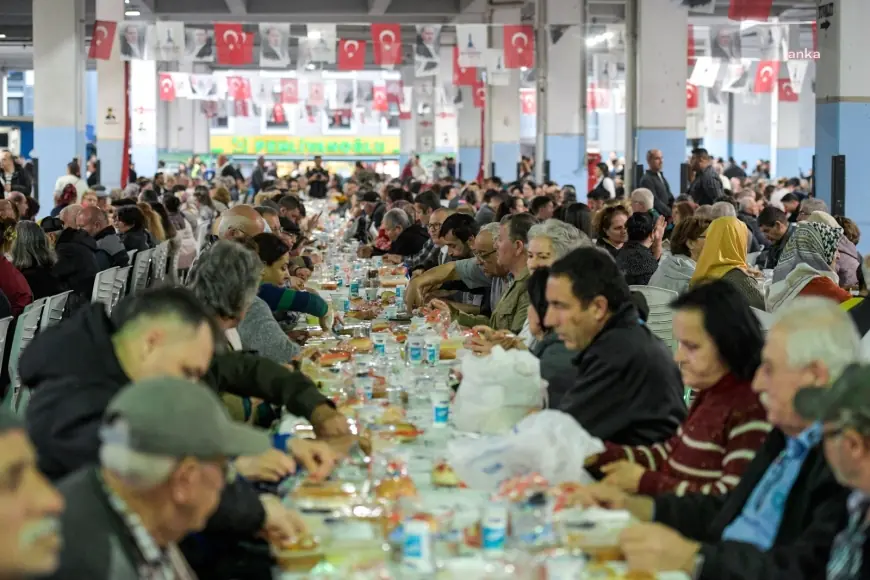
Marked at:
<point>159,260</point>
<point>120,287</point>
<point>54,309</point>
<point>765,318</point>
<point>752,258</point>
<point>104,286</point>
<point>202,231</point>
<point>25,329</point>
<point>141,265</point>
<point>661,317</point>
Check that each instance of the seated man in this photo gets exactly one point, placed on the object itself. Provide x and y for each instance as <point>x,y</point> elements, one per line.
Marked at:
<point>774,224</point>
<point>511,252</point>
<point>30,507</point>
<point>780,520</point>
<point>110,249</point>
<point>628,390</point>
<point>165,452</point>
<point>406,238</point>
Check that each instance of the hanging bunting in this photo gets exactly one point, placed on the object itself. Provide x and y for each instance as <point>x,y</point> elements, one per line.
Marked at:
<point>131,39</point>
<point>737,76</point>
<point>275,45</point>
<point>289,91</point>
<point>528,101</point>
<point>766,75</point>
<point>167,87</point>
<point>387,44</point>
<point>797,73</point>
<point>351,55</point>
<point>427,50</point>
<point>380,101</point>
<point>750,9</point>
<point>462,76</point>
<point>471,44</point>
<point>316,95</point>
<point>706,72</point>
<point>321,39</point>
<point>238,88</point>
<point>691,96</point>
<point>204,88</point>
<point>497,75</point>
<point>519,46</point>
<point>166,41</point>
<point>478,92</point>
<point>786,92</point>
<point>234,46</point>
<point>103,40</point>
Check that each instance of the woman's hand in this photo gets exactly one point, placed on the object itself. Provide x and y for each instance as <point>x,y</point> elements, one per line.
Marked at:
<point>296,283</point>
<point>623,475</point>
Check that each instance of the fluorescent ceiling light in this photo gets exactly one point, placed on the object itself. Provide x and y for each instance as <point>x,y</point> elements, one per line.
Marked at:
<point>310,66</point>
<point>132,13</point>
<point>2,36</point>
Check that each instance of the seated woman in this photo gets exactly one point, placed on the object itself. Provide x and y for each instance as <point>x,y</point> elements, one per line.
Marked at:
<point>719,349</point>
<point>637,260</point>
<point>677,268</point>
<point>130,223</point>
<point>275,255</point>
<point>610,228</point>
<point>807,265</point>
<point>34,258</point>
<point>724,256</point>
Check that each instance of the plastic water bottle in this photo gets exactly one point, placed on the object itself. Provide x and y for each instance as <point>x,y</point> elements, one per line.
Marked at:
<point>364,383</point>
<point>494,529</point>
<point>440,406</point>
<point>417,553</point>
<point>416,345</point>
<point>354,288</point>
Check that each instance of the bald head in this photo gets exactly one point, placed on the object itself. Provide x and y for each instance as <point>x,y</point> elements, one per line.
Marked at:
<point>69,214</point>
<point>93,220</point>
<point>241,220</point>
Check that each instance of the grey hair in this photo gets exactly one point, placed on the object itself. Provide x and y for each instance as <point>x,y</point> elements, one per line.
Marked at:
<point>493,229</point>
<point>747,202</point>
<point>139,471</point>
<point>817,329</point>
<point>232,222</point>
<point>563,236</point>
<point>723,209</point>
<point>643,196</point>
<point>811,204</point>
<point>226,278</point>
<point>397,218</point>
<point>705,211</point>
<point>132,190</point>
<point>31,247</point>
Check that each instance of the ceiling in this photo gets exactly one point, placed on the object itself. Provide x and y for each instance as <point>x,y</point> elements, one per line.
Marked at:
<point>352,15</point>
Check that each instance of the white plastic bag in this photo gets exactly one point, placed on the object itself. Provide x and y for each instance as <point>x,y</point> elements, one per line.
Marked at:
<point>498,390</point>
<point>550,443</point>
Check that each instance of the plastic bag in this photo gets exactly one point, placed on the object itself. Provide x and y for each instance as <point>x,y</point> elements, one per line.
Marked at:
<point>498,390</point>
<point>550,443</point>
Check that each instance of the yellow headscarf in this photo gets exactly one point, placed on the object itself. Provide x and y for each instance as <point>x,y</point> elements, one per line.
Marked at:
<point>724,249</point>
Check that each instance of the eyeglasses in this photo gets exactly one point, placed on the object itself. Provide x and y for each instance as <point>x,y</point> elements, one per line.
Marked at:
<point>483,256</point>
<point>434,226</point>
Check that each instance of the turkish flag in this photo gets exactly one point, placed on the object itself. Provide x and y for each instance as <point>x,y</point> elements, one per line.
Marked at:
<point>462,76</point>
<point>691,48</point>
<point>786,92</point>
<point>529,101</point>
<point>289,91</point>
<point>387,44</point>
<point>380,98</point>
<point>395,92</point>
<point>238,88</point>
<point>519,46</point>
<point>234,45</point>
<point>750,9</point>
<point>102,40</point>
<point>478,91</point>
<point>597,99</point>
<point>278,114</point>
<point>315,94</point>
<point>351,55</point>
<point>691,96</point>
<point>241,109</point>
<point>766,75</point>
<point>167,87</point>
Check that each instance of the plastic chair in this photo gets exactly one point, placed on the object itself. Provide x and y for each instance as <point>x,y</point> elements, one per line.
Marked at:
<point>661,317</point>
<point>202,231</point>
<point>752,258</point>
<point>25,330</point>
<point>54,309</point>
<point>120,286</point>
<point>159,260</point>
<point>104,286</point>
<point>139,280</point>
<point>765,318</point>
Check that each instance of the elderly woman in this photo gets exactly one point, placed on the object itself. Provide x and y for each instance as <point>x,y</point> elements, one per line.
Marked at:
<point>35,259</point>
<point>719,343</point>
<point>807,266</point>
<point>677,268</point>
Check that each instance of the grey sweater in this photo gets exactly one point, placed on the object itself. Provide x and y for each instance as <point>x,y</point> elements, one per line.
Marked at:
<point>260,332</point>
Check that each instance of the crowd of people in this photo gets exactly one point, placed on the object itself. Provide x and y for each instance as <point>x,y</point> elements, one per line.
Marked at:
<point>143,441</point>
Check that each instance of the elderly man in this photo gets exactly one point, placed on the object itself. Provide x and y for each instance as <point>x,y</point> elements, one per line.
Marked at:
<point>780,520</point>
<point>406,238</point>
<point>809,205</point>
<point>642,200</point>
<point>165,452</point>
<point>748,214</point>
<point>110,248</point>
<point>433,252</point>
<point>654,180</point>
<point>29,507</point>
<point>69,214</point>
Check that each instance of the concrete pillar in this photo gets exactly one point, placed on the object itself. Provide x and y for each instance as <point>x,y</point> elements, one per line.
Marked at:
<point>111,103</point>
<point>504,141</point>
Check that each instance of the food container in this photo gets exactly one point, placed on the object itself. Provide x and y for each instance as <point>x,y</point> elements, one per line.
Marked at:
<point>595,531</point>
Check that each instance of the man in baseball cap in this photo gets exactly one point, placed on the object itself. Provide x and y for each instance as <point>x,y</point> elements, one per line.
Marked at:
<point>165,456</point>
<point>844,410</point>
<point>29,507</point>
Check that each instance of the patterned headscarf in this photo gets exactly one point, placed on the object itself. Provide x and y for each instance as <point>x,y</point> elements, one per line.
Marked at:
<point>813,244</point>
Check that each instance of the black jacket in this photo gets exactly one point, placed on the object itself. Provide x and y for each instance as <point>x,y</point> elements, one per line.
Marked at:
<point>628,388</point>
<point>707,188</point>
<point>378,215</point>
<point>758,240</point>
<point>608,247</point>
<point>42,282</point>
<point>20,181</point>
<point>76,261</point>
<point>409,242</point>
<point>111,250</point>
<point>815,511</point>
<point>139,240</point>
<point>769,257</point>
<point>637,263</point>
<point>557,367</point>
<point>663,199</point>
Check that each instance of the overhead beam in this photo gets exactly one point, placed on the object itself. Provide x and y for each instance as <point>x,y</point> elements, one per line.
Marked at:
<point>237,7</point>
<point>378,7</point>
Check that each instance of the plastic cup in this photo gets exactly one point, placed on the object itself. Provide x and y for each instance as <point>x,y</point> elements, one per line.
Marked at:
<point>379,340</point>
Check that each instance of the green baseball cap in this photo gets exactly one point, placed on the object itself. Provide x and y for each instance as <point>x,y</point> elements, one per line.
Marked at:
<point>178,418</point>
<point>849,395</point>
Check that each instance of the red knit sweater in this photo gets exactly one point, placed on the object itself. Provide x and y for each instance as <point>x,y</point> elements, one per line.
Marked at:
<point>710,450</point>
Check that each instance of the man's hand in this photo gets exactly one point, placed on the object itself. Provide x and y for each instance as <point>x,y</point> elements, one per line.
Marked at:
<point>393,259</point>
<point>328,422</point>
<point>282,525</point>
<point>440,305</point>
<point>657,548</point>
<point>315,456</point>
<point>623,474</point>
<point>297,283</point>
<point>271,466</point>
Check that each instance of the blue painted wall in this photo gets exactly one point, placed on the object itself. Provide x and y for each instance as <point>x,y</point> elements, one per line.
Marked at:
<point>26,128</point>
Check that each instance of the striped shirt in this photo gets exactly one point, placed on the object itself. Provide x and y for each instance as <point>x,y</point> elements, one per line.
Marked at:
<point>710,450</point>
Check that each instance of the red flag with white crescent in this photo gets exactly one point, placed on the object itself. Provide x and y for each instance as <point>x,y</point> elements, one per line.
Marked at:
<point>519,46</point>
<point>379,99</point>
<point>786,92</point>
<point>766,75</point>
<point>234,45</point>
<point>167,87</point>
<point>289,91</point>
<point>462,76</point>
<point>691,96</point>
<point>102,40</point>
<point>387,44</point>
<point>351,54</point>
<point>479,94</point>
